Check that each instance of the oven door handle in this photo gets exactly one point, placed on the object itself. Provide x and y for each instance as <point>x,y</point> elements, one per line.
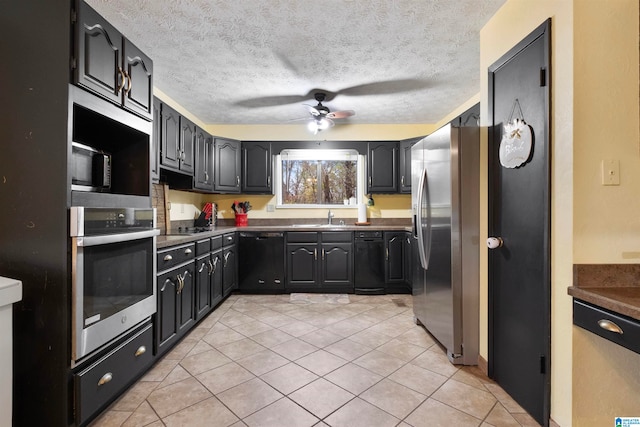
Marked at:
<point>105,239</point>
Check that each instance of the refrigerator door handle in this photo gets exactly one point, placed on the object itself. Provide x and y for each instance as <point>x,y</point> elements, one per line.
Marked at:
<point>423,244</point>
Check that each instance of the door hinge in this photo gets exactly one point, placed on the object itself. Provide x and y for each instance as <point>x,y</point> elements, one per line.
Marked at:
<point>543,365</point>
<point>543,77</point>
<point>74,16</point>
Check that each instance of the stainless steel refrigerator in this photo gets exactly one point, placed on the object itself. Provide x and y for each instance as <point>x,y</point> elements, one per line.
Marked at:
<point>445,201</point>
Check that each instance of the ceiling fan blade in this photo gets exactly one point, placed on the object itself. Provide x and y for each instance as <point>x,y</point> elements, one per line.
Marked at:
<point>278,100</point>
<point>385,87</point>
<point>312,110</point>
<point>340,114</point>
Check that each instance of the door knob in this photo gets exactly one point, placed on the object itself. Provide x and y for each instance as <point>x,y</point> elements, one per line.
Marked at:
<point>494,242</point>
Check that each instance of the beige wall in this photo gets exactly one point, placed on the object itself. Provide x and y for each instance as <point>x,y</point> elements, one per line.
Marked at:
<point>606,219</point>
<point>514,21</point>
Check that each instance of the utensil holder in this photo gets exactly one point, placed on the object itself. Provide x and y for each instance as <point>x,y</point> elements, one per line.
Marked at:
<point>241,220</point>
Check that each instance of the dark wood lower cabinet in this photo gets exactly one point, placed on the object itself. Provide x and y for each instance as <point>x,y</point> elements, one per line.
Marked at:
<point>176,305</point>
<point>101,382</point>
<point>319,262</point>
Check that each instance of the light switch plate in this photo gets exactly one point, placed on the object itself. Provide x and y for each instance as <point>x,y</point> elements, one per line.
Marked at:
<point>610,172</point>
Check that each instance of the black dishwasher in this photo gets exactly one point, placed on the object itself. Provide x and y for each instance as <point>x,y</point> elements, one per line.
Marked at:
<point>369,263</point>
<point>261,262</point>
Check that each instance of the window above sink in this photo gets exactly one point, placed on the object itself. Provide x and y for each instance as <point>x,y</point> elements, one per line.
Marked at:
<point>314,178</point>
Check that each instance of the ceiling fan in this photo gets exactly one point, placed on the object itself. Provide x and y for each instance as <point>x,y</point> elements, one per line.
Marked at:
<point>321,117</point>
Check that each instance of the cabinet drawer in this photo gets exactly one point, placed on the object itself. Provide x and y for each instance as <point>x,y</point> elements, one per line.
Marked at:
<point>175,255</point>
<point>336,236</point>
<point>103,381</point>
<point>228,239</point>
<point>302,237</point>
<point>604,323</point>
<point>216,243</point>
<point>203,247</point>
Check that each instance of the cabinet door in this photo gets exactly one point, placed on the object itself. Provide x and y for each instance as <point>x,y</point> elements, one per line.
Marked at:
<point>203,174</point>
<point>256,168</point>
<point>408,259</point>
<point>170,138</point>
<point>382,171</point>
<point>216,277</point>
<point>404,166</point>
<point>154,162</point>
<point>98,55</point>
<point>337,264</point>
<point>394,254</point>
<point>138,92</point>
<point>203,286</point>
<point>187,140</point>
<point>227,165</point>
<point>302,265</point>
<point>166,324</point>
<point>186,298</point>
<point>229,270</point>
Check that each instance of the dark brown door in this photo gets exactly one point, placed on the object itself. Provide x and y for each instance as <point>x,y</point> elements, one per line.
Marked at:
<point>519,214</point>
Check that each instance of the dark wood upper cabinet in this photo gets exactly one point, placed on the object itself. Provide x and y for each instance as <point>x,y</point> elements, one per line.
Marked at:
<point>404,167</point>
<point>170,152</point>
<point>382,167</point>
<point>227,165</point>
<point>109,65</point>
<point>154,164</point>
<point>138,95</point>
<point>203,175</point>
<point>256,168</point>
<point>187,140</point>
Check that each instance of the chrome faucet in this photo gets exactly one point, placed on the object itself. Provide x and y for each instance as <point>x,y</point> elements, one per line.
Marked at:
<point>329,217</point>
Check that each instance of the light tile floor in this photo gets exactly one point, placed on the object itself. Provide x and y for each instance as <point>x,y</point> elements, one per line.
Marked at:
<point>260,360</point>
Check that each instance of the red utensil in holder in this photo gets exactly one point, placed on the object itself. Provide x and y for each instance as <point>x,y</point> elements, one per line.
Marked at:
<point>241,220</point>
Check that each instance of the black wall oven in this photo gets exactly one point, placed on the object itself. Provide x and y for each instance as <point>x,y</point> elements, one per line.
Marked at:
<point>113,274</point>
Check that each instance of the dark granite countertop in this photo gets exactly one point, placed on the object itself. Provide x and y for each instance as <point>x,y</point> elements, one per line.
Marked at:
<point>615,287</point>
<point>164,241</point>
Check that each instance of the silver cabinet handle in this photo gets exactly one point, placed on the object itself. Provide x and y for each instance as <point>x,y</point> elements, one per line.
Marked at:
<point>128,89</point>
<point>226,258</point>
<point>187,251</point>
<point>167,257</point>
<point>269,180</point>
<point>237,181</point>
<point>402,180</point>
<point>215,264</point>
<point>140,351</point>
<point>610,326</point>
<point>105,378</point>
<point>210,266</point>
<point>204,264</point>
<point>123,81</point>
<point>370,181</point>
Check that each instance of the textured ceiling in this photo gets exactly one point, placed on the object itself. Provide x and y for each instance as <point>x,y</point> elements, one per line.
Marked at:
<point>259,61</point>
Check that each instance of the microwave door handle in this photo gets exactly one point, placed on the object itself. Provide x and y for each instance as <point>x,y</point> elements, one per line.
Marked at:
<point>115,238</point>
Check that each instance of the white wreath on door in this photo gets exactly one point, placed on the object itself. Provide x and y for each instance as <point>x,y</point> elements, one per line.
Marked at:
<point>516,143</point>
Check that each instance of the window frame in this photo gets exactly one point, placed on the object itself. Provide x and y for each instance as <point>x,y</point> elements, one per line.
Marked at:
<point>360,179</point>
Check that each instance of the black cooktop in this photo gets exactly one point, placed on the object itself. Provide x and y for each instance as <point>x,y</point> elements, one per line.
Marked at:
<point>187,231</point>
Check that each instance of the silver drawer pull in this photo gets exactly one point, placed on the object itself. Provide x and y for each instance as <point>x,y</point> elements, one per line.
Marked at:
<point>105,378</point>
<point>140,351</point>
<point>187,251</point>
<point>167,257</point>
<point>610,326</point>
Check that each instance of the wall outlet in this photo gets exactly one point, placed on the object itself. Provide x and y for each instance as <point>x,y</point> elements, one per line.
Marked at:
<point>271,208</point>
<point>610,172</point>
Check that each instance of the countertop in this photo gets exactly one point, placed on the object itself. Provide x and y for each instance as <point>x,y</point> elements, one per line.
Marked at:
<point>10,291</point>
<point>164,241</point>
<point>615,287</point>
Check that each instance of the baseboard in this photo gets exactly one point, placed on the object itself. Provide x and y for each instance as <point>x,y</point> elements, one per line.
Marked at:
<point>483,365</point>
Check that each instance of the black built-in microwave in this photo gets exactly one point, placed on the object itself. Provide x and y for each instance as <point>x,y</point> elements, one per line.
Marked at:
<point>91,168</point>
